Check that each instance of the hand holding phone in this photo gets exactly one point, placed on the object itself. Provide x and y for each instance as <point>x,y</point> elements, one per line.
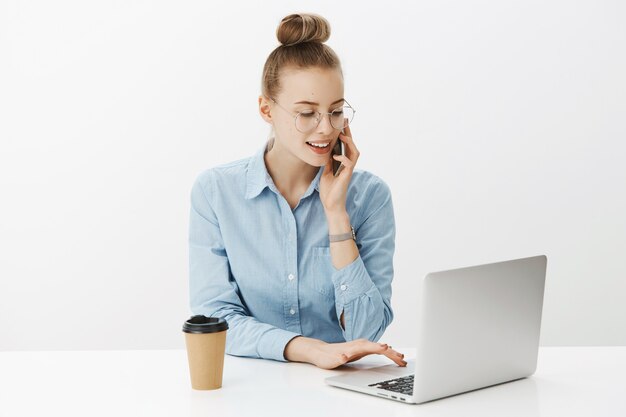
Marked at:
<point>338,149</point>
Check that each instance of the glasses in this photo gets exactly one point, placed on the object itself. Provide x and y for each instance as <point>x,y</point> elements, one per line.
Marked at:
<point>307,120</point>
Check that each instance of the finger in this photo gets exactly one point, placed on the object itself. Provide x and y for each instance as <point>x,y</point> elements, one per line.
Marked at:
<point>346,134</point>
<point>380,348</point>
<point>347,162</point>
<point>349,142</point>
<point>346,127</point>
<point>395,352</point>
<point>365,347</point>
<point>346,137</point>
<point>398,360</point>
<point>352,152</point>
<point>397,357</point>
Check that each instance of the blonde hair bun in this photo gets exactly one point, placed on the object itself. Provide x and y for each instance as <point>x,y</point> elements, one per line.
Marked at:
<point>302,27</point>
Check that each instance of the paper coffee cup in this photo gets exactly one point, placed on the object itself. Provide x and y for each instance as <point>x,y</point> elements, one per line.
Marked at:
<point>205,338</point>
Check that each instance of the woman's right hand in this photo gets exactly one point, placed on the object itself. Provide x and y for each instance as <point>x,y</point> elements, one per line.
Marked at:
<point>332,355</point>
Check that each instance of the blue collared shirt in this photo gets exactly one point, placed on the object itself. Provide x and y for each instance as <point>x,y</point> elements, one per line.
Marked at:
<point>267,268</point>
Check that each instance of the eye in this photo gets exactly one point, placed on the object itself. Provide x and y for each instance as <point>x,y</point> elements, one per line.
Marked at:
<point>308,114</point>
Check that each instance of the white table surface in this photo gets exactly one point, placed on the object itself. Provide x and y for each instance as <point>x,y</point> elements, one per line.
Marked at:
<point>570,381</point>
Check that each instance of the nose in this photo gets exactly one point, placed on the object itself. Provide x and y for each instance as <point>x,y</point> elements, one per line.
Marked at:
<point>325,126</point>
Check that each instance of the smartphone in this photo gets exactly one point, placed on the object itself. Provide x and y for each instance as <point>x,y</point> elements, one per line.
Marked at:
<point>337,150</point>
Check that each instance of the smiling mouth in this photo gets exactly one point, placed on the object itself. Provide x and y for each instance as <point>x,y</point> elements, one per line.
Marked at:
<point>318,145</point>
<point>319,148</point>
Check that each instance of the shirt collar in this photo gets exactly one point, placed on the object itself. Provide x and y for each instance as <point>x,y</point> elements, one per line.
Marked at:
<point>257,176</point>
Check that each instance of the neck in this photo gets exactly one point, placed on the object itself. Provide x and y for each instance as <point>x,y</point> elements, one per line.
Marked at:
<point>289,173</point>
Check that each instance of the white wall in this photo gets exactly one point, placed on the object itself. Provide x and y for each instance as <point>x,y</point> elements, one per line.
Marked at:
<point>498,125</point>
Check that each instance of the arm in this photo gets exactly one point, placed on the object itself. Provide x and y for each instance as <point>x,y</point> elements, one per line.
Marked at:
<point>363,278</point>
<point>214,291</point>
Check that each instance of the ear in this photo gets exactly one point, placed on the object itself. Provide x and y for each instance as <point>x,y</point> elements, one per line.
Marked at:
<point>265,109</point>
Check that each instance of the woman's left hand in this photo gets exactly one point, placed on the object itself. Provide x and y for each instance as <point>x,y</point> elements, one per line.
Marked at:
<point>332,355</point>
<point>333,189</point>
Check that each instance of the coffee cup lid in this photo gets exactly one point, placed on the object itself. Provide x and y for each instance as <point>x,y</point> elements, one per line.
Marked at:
<point>204,324</point>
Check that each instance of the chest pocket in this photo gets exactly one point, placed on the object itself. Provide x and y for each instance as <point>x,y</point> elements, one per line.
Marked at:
<point>322,271</point>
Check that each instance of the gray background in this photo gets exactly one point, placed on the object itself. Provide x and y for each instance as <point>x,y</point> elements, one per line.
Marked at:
<point>499,127</point>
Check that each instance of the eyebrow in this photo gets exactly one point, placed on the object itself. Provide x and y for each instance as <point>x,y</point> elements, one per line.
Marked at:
<point>316,104</point>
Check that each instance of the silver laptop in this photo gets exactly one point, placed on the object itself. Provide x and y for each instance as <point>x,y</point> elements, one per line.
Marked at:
<point>479,326</point>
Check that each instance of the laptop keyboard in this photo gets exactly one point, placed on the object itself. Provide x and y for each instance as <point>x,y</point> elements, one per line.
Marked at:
<point>403,385</point>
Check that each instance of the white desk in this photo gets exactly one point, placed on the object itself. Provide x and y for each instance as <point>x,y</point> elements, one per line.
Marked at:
<point>570,381</point>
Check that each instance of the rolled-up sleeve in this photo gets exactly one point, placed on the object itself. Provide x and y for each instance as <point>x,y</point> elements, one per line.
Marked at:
<point>213,290</point>
<point>363,287</point>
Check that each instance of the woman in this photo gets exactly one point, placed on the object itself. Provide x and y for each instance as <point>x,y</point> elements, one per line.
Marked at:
<point>272,248</point>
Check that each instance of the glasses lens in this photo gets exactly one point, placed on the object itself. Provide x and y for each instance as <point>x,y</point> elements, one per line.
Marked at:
<point>338,116</point>
<point>307,121</point>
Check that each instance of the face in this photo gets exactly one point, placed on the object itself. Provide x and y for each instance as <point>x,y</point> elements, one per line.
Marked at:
<point>323,89</point>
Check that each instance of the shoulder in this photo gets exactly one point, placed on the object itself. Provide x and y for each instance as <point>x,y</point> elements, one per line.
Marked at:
<point>224,171</point>
<point>369,184</point>
<point>367,193</point>
<point>222,176</point>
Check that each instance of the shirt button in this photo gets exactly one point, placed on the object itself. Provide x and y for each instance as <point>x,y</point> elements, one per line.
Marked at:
<point>292,311</point>
<point>344,287</point>
<point>291,277</point>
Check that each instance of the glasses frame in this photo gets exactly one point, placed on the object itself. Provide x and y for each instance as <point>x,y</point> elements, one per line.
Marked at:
<point>319,116</point>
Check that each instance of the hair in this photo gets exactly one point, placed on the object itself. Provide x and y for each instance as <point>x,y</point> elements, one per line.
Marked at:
<point>302,37</point>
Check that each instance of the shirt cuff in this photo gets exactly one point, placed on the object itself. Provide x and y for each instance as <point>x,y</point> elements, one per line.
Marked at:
<point>351,281</point>
<point>273,342</point>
